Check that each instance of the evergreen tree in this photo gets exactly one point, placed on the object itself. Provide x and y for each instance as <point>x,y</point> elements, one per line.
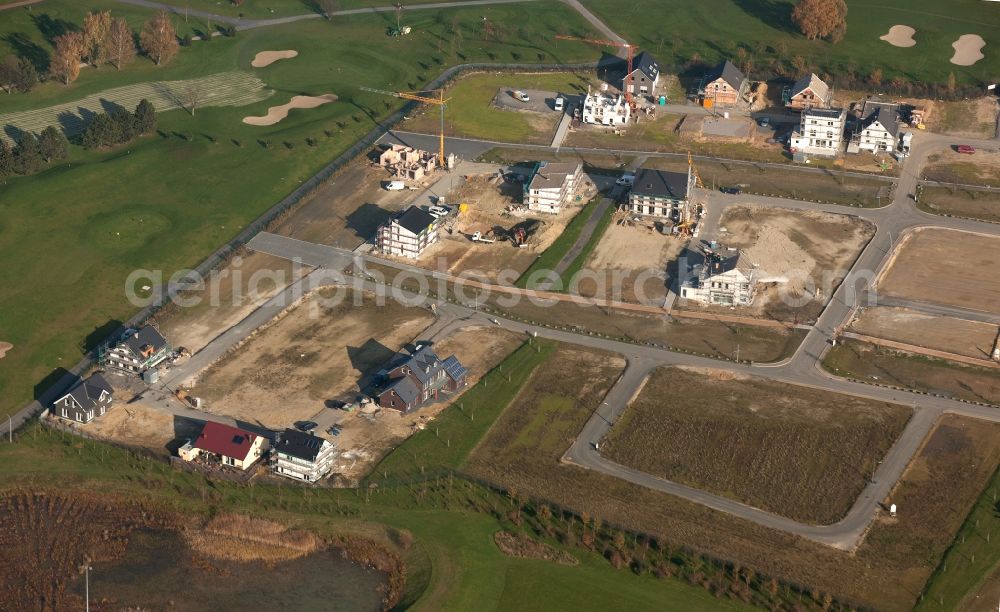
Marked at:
<point>9,74</point>
<point>53,143</point>
<point>28,157</point>
<point>6,159</point>
<point>124,123</point>
<point>27,76</point>
<point>99,133</point>
<point>145,117</point>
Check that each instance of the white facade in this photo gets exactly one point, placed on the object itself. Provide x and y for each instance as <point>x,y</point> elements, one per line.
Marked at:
<point>878,129</point>
<point>407,235</point>
<point>552,186</point>
<point>820,133</point>
<point>602,109</point>
<point>305,470</point>
<point>725,282</point>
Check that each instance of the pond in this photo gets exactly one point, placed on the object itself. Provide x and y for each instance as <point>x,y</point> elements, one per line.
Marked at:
<point>160,571</point>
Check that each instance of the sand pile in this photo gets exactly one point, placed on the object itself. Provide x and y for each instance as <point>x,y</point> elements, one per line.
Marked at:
<point>4,347</point>
<point>900,36</point>
<point>778,256</point>
<point>266,58</point>
<point>968,49</point>
<point>277,113</point>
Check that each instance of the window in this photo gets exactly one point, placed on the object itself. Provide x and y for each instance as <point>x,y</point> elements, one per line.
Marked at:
<point>64,411</point>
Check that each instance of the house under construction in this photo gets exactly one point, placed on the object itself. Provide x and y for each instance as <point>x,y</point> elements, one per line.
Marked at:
<point>606,109</point>
<point>408,163</point>
<point>726,280</point>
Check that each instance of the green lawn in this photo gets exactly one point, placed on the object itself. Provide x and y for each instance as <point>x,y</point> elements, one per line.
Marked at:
<point>971,558</point>
<point>451,437</point>
<point>71,235</point>
<point>470,113</point>
<point>712,29</point>
<point>453,565</point>
<point>266,9</point>
<point>559,247</point>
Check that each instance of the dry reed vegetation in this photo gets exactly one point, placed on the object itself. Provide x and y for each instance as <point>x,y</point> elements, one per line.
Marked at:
<point>235,537</point>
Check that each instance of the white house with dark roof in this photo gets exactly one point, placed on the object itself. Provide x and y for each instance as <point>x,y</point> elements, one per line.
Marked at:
<point>302,456</point>
<point>810,92</point>
<point>659,193</point>
<point>726,281</point>
<point>137,351</point>
<point>645,76</point>
<point>410,381</point>
<point>605,109</point>
<point>878,129</point>
<point>724,85</point>
<point>552,185</point>
<point>820,133</point>
<point>87,400</point>
<point>407,233</point>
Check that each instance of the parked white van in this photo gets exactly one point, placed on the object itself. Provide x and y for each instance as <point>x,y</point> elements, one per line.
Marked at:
<point>395,186</point>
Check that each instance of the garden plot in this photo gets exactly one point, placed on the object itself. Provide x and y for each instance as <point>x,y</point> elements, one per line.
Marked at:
<point>223,89</point>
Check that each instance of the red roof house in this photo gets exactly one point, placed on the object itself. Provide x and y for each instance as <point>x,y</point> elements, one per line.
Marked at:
<point>226,444</point>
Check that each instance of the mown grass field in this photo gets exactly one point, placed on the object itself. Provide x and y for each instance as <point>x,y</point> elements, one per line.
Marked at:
<point>868,362</point>
<point>711,30</point>
<point>804,454</point>
<point>164,202</point>
<point>972,557</point>
<point>471,112</point>
<point>452,565</point>
<point>548,260</point>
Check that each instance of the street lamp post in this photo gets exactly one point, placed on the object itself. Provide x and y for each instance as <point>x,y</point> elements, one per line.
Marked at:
<point>87,585</point>
<point>10,429</point>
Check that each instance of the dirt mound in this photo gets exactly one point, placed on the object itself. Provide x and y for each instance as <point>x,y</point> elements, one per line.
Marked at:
<point>4,347</point>
<point>900,36</point>
<point>266,58</point>
<point>968,49</point>
<point>277,113</point>
<point>519,545</point>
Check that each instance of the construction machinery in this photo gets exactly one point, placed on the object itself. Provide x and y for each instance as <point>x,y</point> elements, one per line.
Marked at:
<point>417,96</point>
<point>484,238</point>
<point>629,54</point>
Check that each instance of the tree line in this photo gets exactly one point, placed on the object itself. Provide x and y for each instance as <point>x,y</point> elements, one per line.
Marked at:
<point>31,153</point>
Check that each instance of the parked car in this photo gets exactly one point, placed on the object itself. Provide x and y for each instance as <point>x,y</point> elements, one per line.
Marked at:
<point>520,95</point>
<point>395,186</point>
<point>306,425</point>
<point>730,190</point>
<point>965,149</point>
<point>764,122</point>
<point>626,180</point>
<point>560,103</point>
<point>439,211</point>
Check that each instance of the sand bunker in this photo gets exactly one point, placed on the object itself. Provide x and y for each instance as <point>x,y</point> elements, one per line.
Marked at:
<point>277,113</point>
<point>4,347</point>
<point>266,58</point>
<point>900,36</point>
<point>968,49</point>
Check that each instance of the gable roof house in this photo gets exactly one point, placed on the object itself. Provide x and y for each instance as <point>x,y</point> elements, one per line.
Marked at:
<point>878,129</point>
<point>724,85</point>
<point>809,92</point>
<point>137,351</point>
<point>410,381</point>
<point>303,456</point>
<point>224,444</point>
<point>658,193</point>
<point>407,233</point>
<point>85,401</point>
<point>727,281</point>
<point>644,77</point>
<point>552,185</point>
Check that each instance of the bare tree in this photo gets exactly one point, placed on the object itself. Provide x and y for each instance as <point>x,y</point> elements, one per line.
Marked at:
<point>158,39</point>
<point>121,43</point>
<point>821,18</point>
<point>66,57</point>
<point>194,95</point>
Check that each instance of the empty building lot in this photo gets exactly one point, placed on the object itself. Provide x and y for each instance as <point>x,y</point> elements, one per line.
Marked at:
<point>959,336</point>
<point>805,455</point>
<point>945,267</point>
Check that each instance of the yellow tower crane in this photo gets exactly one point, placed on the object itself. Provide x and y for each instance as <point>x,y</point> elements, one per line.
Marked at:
<point>440,100</point>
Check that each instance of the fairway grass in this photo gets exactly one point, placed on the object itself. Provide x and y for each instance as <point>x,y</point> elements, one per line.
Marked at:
<point>711,30</point>
<point>71,235</point>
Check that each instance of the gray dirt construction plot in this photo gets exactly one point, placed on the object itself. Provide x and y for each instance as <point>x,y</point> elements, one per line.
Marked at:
<point>224,89</point>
